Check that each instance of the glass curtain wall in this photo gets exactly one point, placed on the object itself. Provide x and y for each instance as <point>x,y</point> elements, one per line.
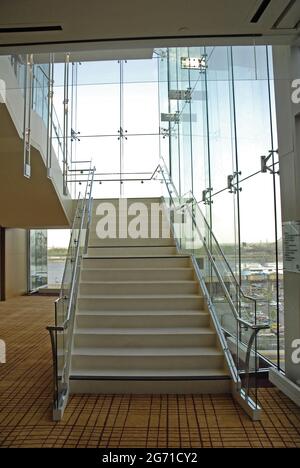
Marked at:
<point>221,120</point>
<point>113,122</point>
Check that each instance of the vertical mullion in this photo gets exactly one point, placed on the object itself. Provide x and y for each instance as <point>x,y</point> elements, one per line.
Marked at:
<point>236,168</point>
<point>275,213</point>
<point>66,123</point>
<point>191,128</point>
<point>121,127</point>
<point>50,114</point>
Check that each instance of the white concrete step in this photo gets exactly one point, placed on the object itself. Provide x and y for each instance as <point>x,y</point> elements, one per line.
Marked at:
<point>137,274</point>
<point>94,241</point>
<point>141,302</point>
<point>146,358</point>
<point>176,374</point>
<point>144,337</point>
<point>128,251</point>
<point>168,381</point>
<point>137,262</point>
<point>138,287</point>
<point>142,319</point>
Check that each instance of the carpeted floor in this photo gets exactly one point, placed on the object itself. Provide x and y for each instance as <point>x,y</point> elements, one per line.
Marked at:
<point>118,420</point>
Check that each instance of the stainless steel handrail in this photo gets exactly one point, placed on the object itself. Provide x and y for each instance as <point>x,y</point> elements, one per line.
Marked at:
<point>212,260</point>
<point>256,328</point>
<point>219,247</point>
<point>98,178</point>
<point>83,212</point>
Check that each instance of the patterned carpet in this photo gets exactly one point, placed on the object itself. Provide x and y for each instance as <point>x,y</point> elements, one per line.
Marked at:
<point>118,420</point>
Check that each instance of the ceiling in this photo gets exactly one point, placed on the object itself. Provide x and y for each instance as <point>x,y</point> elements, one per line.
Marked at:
<point>76,25</point>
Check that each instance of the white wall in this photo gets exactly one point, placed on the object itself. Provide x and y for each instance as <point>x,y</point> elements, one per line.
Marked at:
<point>287,69</point>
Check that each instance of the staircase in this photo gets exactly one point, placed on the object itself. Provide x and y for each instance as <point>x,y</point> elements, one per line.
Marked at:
<point>141,322</point>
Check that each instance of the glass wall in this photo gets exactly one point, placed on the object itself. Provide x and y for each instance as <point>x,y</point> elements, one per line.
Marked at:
<point>221,109</point>
<point>113,122</point>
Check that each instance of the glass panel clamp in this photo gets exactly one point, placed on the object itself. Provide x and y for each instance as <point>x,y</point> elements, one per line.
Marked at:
<point>264,163</point>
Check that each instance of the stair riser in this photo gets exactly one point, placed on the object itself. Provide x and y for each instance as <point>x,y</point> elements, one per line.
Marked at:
<point>134,288</point>
<point>200,387</point>
<point>139,262</point>
<point>137,275</point>
<point>121,203</point>
<point>134,341</point>
<point>131,251</point>
<point>149,212</point>
<point>142,242</point>
<point>146,362</point>
<point>149,303</point>
<point>135,321</point>
<point>123,227</point>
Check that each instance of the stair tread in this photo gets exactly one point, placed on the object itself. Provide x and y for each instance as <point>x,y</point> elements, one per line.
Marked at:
<point>103,246</point>
<point>155,351</point>
<point>140,269</point>
<point>102,257</point>
<point>151,373</point>
<point>145,331</point>
<point>134,313</point>
<point>140,296</point>
<point>124,245</point>
<point>139,282</point>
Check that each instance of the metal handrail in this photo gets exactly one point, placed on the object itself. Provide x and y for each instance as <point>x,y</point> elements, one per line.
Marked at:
<point>219,247</point>
<point>240,322</point>
<point>64,325</point>
<point>83,211</point>
<point>151,176</point>
<point>211,258</point>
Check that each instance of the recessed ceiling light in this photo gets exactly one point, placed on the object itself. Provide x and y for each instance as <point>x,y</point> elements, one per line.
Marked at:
<point>183,29</point>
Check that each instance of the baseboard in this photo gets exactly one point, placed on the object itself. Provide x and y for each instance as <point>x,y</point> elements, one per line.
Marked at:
<point>285,385</point>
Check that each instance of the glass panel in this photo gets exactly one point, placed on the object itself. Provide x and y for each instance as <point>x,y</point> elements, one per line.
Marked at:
<point>95,73</point>
<point>141,154</point>
<point>164,107</point>
<point>38,259</point>
<point>185,150</point>
<point>140,165</point>
<point>141,71</point>
<point>225,129</point>
<point>260,270</point>
<point>101,103</point>
<point>58,241</point>
<point>141,111</point>
<point>252,107</point>
<point>201,176</point>
<point>221,121</point>
<point>40,90</point>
